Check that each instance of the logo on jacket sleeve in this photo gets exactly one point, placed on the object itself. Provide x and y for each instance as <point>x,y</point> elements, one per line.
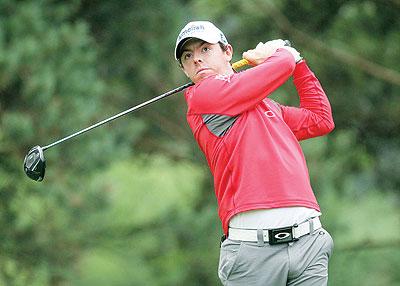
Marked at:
<point>223,77</point>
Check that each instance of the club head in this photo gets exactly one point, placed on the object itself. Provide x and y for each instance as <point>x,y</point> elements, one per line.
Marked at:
<point>35,164</point>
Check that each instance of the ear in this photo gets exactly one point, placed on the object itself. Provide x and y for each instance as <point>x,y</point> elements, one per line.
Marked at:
<point>229,52</point>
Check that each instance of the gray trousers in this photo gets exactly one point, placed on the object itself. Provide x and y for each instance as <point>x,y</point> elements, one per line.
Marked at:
<point>304,262</point>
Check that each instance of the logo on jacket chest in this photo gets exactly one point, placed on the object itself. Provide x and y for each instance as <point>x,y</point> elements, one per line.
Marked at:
<point>268,113</point>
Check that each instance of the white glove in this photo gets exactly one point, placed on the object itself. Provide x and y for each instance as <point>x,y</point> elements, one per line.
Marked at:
<point>276,44</point>
<point>294,52</point>
<point>259,54</point>
<point>263,51</point>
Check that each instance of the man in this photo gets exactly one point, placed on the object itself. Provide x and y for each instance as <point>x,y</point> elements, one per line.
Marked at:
<point>268,211</point>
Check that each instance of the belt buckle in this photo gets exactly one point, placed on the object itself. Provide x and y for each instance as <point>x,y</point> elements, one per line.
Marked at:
<point>281,235</point>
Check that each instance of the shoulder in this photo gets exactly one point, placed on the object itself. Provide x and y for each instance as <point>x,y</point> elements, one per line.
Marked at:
<point>210,84</point>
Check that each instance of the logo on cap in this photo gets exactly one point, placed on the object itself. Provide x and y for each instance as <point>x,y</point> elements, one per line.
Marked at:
<point>190,30</point>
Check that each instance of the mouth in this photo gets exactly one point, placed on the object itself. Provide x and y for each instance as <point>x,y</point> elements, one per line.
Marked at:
<point>201,70</point>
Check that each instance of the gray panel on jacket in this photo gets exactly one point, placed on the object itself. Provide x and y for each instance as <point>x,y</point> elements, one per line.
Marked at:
<point>218,124</point>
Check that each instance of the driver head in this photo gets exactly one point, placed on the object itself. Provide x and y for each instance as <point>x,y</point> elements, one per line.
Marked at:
<point>35,164</point>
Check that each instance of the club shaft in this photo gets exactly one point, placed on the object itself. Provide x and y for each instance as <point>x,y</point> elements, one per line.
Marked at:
<point>178,89</point>
<point>157,98</point>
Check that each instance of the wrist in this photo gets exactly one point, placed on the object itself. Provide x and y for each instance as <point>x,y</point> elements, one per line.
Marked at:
<point>301,69</point>
<point>296,55</point>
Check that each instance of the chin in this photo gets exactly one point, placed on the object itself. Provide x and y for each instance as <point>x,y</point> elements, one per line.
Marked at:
<point>203,76</point>
<point>197,78</point>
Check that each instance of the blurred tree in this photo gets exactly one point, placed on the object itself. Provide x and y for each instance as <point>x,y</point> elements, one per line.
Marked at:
<point>137,41</point>
<point>132,204</point>
<point>147,232</point>
<point>49,83</point>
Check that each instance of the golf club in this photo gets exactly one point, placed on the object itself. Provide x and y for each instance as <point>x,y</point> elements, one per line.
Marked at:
<point>35,163</point>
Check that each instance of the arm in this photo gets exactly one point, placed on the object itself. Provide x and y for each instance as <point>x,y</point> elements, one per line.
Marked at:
<point>232,95</point>
<point>314,116</point>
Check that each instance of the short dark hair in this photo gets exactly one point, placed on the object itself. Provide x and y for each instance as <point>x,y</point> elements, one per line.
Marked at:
<point>223,47</point>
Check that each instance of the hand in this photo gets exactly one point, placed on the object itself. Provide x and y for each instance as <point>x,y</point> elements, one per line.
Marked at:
<point>263,51</point>
<point>276,43</point>
<point>294,52</point>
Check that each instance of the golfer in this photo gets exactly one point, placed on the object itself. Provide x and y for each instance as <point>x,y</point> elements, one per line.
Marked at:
<point>269,214</point>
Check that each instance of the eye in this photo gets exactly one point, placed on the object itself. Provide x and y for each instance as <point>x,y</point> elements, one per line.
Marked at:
<point>186,56</point>
<point>206,49</point>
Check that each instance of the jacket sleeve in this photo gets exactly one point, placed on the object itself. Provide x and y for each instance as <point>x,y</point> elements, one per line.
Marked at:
<point>232,95</point>
<point>314,116</point>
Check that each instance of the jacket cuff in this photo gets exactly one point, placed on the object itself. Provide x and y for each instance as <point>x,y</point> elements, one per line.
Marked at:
<point>301,69</point>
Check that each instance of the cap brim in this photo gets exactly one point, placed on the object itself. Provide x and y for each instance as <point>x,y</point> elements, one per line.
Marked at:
<point>178,51</point>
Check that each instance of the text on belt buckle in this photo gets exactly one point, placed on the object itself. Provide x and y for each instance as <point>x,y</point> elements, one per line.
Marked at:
<point>281,235</point>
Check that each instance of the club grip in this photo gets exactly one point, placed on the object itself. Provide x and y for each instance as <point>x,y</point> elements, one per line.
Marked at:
<point>239,64</point>
<point>244,62</point>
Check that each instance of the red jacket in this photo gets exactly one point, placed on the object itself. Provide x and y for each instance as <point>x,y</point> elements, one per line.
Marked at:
<point>251,142</point>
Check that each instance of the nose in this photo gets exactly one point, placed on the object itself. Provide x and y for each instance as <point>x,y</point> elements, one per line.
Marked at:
<point>197,58</point>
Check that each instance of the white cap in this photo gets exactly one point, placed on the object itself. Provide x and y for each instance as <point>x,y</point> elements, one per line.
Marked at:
<point>203,30</point>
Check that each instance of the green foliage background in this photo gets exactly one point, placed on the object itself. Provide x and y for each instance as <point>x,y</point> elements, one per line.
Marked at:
<point>132,202</point>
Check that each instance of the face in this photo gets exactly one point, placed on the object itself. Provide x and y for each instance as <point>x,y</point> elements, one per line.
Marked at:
<point>201,59</point>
